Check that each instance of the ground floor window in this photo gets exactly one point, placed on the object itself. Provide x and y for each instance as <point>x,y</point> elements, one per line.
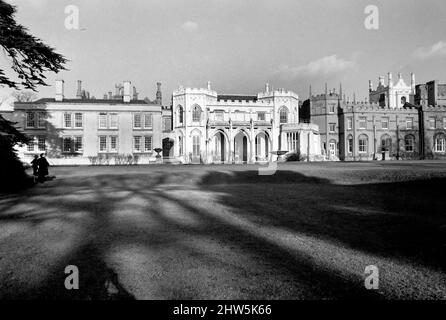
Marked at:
<point>195,145</point>
<point>350,145</point>
<point>409,142</point>
<point>66,144</point>
<point>180,146</point>
<point>362,144</point>
<point>113,143</point>
<point>102,143</point>
<point>137,144</point>
<point>78,144</point>
<point>148,143</point>
<point>439,143</point>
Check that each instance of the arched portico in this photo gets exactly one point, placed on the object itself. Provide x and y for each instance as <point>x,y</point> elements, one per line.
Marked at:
<point>262,146</point>
<point>241,147</point>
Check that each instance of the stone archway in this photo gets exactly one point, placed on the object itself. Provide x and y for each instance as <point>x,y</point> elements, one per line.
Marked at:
<point>241,143</point>
<point>262,146</point>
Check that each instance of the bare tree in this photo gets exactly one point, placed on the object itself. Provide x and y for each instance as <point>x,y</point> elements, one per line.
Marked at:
<point>24,96</point>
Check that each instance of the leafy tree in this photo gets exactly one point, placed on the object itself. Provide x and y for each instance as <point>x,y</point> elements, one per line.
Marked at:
<point>30,59</point>
<point>11,168</point>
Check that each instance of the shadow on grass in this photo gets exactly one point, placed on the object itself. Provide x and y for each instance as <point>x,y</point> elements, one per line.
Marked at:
<point>400,219</point>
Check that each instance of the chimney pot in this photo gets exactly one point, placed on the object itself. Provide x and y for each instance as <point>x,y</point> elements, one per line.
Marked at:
<point>127,96</point>
<point>59,90</point>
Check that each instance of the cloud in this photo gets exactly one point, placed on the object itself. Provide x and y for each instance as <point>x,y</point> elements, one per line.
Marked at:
<point>327,65</point>
<point>436,50</point>
<point>190,26</point>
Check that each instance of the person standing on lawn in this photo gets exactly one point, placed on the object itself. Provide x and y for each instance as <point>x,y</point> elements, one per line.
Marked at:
<point>43,168</point>
<point>35,165</point>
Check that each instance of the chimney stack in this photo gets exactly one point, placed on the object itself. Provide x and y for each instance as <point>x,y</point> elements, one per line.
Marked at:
<point>389,80</point>
<point>79,89</point>
<point>59,90</point>
<point>135,94</point>
<point>127,96</point>
<point>159,97</point>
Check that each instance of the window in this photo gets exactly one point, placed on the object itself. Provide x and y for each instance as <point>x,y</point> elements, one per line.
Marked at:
<point>332,127</point>
<point>196,145</point>
<point>31,144</point>
<point>385,123</point>
<point>30,119</point>
<point>349,123</point>
<point>180,114</point>
<point>102,143</point>
<point>432,123</point>
<point>196,114</point>
<point>66,144</point>
<point>283,115</point>
<point>439,143</point>
<point>78,145</point>
<point>386,142</point>
<point>147,143</point>
<point>102,121</point>
<point>78,120</point>
<point>67,120</point>
<point>41,145</point>
<point>409,142</point>
<point>362,144</point>
<point>137,121</point>
<point>113,143</point>
<point>147,120</point>
<point>137,144</point>
<point>409,123</point>
<point>41,120</point>
<point>261,116</point>
<point>350,145</point>
<point>113,121</point>
<point>180,145</point>
<point>362,123</point>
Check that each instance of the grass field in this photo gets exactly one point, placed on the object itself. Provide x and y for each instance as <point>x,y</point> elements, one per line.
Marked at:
<point>225,232</point>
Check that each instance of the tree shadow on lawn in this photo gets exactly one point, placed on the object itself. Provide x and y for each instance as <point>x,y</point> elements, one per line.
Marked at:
<point>308,205</point>
<point>308,279</point>
<point>405,219</point>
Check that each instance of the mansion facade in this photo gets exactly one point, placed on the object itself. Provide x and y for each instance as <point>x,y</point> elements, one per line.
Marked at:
<point>212,128</point>
<point>202,126</point>
<point>400,122</point>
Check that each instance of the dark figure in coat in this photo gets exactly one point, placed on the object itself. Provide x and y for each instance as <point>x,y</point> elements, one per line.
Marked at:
<point>35,164</point>
<point>43,168</point>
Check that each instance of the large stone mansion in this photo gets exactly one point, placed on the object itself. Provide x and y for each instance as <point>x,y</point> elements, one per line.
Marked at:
<point>202,126</point>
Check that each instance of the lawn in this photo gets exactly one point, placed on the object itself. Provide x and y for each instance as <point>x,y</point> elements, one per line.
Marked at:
<point>226,232</point>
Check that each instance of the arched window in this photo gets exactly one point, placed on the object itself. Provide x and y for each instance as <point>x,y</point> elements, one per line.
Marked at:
<point>409,143</point>
<point>386,142</point>
<point>363,143</point>
<point>350,144</point>
<point>180,145</point>
<point>196,114</point>
<point>439,143</point>
<point>283,115</point>
<point>180,114</point>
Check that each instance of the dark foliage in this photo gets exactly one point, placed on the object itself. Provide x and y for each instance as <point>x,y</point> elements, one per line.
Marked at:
<point>12,170</point>
<point>31,58</point>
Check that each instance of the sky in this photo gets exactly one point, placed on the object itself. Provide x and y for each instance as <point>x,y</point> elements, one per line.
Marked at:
<point>238,45</point>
